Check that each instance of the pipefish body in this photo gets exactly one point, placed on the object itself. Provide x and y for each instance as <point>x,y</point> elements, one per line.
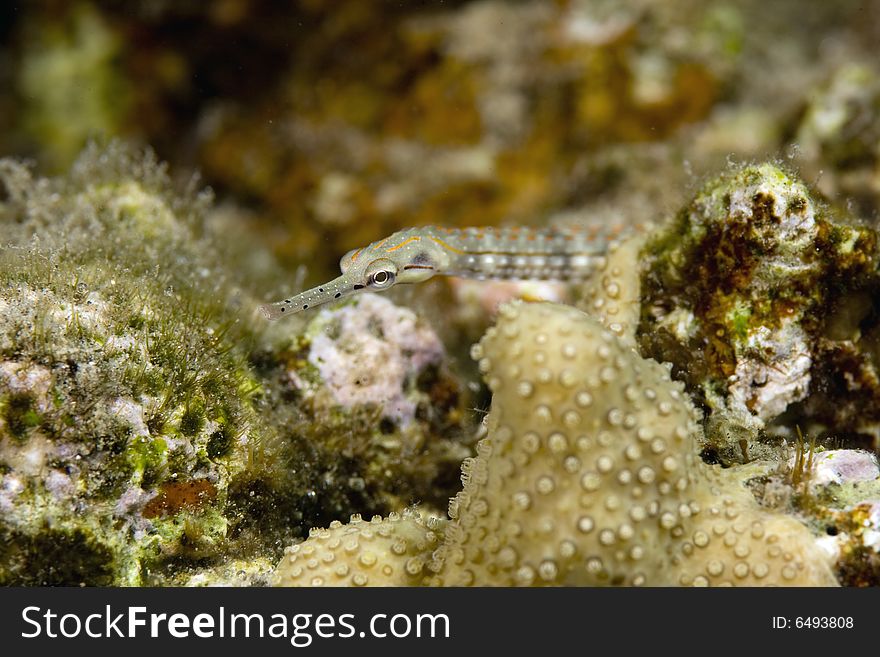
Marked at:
<point>414,255</point>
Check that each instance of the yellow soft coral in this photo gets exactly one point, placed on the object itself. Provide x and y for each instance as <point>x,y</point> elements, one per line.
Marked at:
<point>390,552</point>
<point>612,295</point>
<point>589,475</point>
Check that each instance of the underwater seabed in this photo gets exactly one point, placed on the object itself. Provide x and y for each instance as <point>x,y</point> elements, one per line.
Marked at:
<point>156,429</point>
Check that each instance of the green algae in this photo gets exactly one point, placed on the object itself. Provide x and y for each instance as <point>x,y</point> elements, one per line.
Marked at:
<point>19,414</point>
<point>146,457</point>
<point>147,410</point>
<point>54,558</point>
<point>135,360</point>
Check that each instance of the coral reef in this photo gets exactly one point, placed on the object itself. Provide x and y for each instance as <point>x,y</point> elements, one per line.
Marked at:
<point>150,428</point>
<point>837,493</point>
<point>125,409</point>
<point>737,293</point>
<point>590,475</point>
<point>154,431</point>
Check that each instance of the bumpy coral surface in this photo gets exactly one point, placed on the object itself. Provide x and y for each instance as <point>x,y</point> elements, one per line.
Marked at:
<point>394,551</point>
<point>613,293</point>
<point>590,475</point>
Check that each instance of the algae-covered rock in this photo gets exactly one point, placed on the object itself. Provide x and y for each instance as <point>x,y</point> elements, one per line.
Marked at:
<point>857,540</point>
<point>126,402</point>
<point>738,290</point>
<point>375,397</point>
<point>151,431</point>
<point>837,493</point>
<point>371,352</point>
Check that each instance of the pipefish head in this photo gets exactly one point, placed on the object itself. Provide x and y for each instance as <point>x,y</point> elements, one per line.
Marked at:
<point>378,267</point>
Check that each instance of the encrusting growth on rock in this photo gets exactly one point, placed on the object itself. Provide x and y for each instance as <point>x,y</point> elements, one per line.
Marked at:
<point>589,475</point>
<point>760,296</point>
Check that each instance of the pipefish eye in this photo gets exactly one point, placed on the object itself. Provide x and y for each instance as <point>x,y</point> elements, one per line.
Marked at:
<point>381,273</point>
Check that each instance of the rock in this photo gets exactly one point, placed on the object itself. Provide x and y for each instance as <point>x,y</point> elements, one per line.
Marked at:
<point>737,292</point>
